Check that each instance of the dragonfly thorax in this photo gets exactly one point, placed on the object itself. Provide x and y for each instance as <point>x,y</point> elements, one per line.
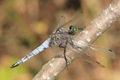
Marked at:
<point>60,36</point>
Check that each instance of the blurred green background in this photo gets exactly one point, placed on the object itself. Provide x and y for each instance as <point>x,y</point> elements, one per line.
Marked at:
<point>25,24</point>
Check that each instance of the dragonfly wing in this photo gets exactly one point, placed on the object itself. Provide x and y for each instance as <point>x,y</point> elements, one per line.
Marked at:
<point>107,52</point>
<point>61,22</point>
<point>89,59</point>
<point>33,53</point>
<point>74,20</point>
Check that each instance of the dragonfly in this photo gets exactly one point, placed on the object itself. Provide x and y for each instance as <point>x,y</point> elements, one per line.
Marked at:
<point>60,37</point>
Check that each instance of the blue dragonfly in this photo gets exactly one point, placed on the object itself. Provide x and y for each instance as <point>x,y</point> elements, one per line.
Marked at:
<point>61,37</point>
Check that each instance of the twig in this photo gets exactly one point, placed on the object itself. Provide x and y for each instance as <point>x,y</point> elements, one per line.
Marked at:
<point>55,66</point>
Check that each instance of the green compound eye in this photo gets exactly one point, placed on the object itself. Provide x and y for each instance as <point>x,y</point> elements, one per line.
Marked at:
<point>72,30</point>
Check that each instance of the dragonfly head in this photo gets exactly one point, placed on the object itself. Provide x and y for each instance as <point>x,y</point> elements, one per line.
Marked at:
<point>72,30</point>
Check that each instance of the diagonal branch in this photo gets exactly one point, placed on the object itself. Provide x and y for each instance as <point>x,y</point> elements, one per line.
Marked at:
<point>55,66</point>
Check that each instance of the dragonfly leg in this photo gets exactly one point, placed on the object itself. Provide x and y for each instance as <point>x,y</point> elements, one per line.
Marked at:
<point>65,54</point>
<point>65,47</point>
<point>71,43</point>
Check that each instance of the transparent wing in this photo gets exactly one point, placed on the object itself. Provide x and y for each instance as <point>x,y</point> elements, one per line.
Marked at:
<point>90,60</point>
<point>89,53</point>
<point>72,21</point>
<point>95,49</point>
<point>61,22</point>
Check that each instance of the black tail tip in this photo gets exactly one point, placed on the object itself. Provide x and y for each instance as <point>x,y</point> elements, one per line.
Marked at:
<point>14,65</point>
<point>11,66</point>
